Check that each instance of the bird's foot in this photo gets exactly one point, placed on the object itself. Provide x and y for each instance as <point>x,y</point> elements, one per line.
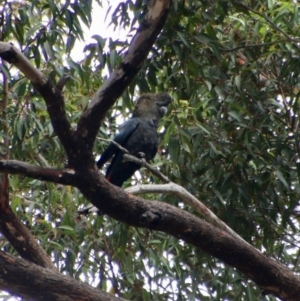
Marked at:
<point>141,155</point>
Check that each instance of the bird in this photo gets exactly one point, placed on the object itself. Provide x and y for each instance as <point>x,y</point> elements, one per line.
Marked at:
<point>138,135</point>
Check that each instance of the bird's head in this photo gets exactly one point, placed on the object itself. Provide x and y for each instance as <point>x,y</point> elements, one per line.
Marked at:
<point>152,106</point>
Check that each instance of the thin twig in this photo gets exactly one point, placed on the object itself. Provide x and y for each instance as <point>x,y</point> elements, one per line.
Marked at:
<point>268,20</point>
<point>144,163</point>
<point>226,50</point>
<point>124,150</point>
<point>62,81</point>
<point>41,160</point>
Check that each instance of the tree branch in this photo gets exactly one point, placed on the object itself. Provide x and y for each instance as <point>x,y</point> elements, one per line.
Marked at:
<point>52,95</point>
<point>62,81</point>
<point>62,176</point>
<point>271,276</point>
<point>29,281</point>
<point>9,53</point>
<point>22,240</point>
<point>4,104</point>
<point>179,191</point>
<point>250,46</point>
<point>171,188</point>
<point>113,88</point>
<point>144,163</point>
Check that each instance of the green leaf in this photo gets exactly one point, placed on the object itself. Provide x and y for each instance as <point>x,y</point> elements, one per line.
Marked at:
<point>64,227</point>
<point>281,178</point>
<point>174,148</point>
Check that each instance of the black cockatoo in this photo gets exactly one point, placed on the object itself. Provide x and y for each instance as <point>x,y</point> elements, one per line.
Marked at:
<point>137,135</point>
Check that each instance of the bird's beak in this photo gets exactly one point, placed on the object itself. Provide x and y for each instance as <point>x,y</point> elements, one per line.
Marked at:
<point>164,101</point>
<point>164,110</point>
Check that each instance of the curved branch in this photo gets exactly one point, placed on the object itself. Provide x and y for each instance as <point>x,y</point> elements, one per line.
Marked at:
<point>62,176</point>
<point>179,191</point>
<point>11,54</point>
<point>113,88</point>
<point>52,95</point>
<point>174,189</point>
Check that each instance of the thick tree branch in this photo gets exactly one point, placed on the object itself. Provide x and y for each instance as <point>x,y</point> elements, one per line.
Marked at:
<point>14,56</point>
<point>271,276</point>
<point>135,211</point>
<point>114,201</point>
<point>17,233</point>
<point>62,176</point>
<point>113,88</point>
<point>24,279</point>
<point>22,240</point>
<point>55,175</point>
<point>56,109</point>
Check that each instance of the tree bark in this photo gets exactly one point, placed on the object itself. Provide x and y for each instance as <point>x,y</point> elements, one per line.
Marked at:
<point>24,279</point>
<point>22,240</point>
<point>61,176</point>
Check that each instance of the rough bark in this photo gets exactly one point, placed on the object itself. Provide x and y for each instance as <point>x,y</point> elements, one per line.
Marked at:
<point>22,240</point>
<point>24,279</point>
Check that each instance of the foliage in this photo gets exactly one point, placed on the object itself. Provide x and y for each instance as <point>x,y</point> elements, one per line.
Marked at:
<point>231,138</point>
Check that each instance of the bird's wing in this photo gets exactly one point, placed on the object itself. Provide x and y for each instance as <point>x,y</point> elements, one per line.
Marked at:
<point>126,130</point>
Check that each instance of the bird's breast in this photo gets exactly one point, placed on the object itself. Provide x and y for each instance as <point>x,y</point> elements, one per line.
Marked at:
<point>145,140</point>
